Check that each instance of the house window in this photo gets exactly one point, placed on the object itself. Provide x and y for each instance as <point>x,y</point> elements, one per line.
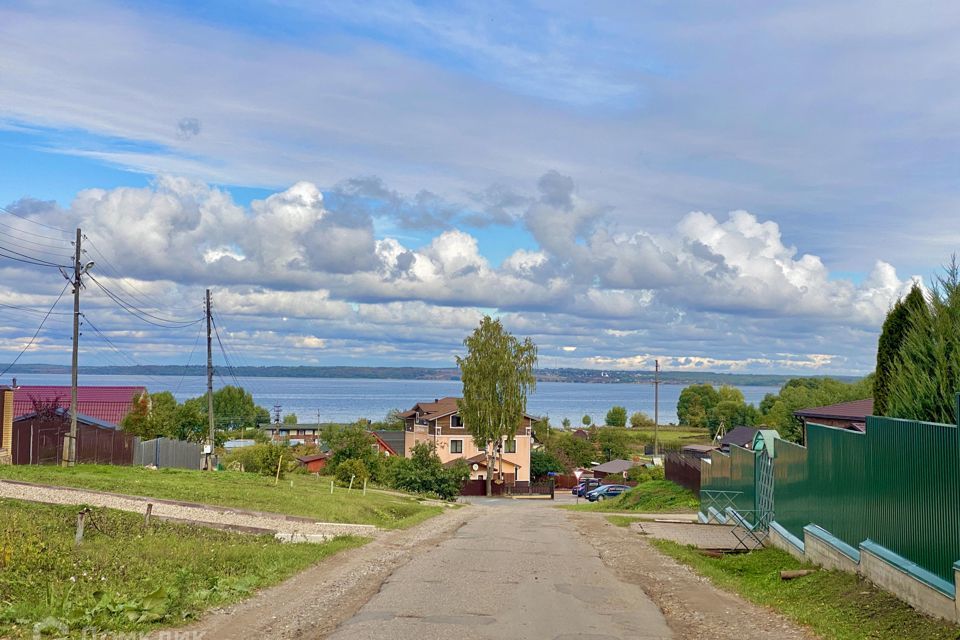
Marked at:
<point>456,422</point>
<point>456,446</point>
<point>511,445</point>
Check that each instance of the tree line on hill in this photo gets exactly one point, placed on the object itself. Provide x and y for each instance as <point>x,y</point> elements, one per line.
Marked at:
<point>917,374</point>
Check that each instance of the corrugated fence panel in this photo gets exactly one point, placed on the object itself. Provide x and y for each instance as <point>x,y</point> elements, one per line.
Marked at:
<point>792,499</point>
<point>915,508</point>
<point>837,477</point>
<point>735,473</point>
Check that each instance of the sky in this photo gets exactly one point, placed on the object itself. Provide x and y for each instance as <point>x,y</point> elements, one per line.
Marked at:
<point>738,188</point>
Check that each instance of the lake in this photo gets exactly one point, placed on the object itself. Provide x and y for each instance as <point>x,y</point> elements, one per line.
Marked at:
<point>345,400</point>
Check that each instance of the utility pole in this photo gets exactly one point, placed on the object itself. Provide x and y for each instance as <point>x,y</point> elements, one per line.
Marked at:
<point>212,435</point>
<point>69,455</point>
<point>656,407</point>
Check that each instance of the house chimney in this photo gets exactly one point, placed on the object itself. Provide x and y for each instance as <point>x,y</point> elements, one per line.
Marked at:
<point>436,400</point>
<point>14,385</point>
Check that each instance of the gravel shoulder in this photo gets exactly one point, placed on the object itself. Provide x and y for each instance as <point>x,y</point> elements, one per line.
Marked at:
<point>693,606</point>
<point>205,515</point>
<point>314,603</point>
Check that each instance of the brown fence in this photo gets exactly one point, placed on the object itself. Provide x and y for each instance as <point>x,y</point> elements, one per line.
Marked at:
<point>545,488</point>
<point>684,470</point>
<point>39,442</point>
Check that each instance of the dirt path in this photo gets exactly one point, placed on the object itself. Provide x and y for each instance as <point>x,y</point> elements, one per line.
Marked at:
<point>206,515</point>
<point>313,603</point>
<point>694,608</point>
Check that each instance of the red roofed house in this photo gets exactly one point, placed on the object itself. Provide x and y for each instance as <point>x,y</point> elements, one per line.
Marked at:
<point>105,404</point>
<point>846,415</point>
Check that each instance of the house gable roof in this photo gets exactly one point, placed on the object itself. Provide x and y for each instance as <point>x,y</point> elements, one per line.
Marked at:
<point>65,414</point>
<point>440,408</point>
<point>855,410</point>
<point>740,436</point>
<point>107,404</point>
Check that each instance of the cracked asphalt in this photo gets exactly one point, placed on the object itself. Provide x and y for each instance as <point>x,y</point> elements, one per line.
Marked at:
<point>518,569</point>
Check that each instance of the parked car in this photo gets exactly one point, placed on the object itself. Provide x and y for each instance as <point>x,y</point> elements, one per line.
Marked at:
<point>606,491</point>
<point>585,486</point>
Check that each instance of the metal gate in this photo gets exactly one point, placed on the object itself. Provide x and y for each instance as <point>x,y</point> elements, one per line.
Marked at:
<point>764,490</point>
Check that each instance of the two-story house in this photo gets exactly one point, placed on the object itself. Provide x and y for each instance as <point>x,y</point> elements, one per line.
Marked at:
<point>439,422</point>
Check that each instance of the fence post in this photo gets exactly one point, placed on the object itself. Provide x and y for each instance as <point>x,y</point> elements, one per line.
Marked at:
<point>279,462</point>
<point>146,518</point>
<point>81,518</point>
<point>350,488</point>
<point>331,487</point>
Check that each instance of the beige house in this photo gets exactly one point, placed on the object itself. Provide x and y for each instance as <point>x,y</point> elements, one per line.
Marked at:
<point>439,422</point>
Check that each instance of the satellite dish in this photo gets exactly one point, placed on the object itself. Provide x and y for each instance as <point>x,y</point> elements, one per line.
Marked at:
<point>476,467</point>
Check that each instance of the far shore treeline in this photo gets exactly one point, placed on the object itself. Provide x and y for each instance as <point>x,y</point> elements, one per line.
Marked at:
<point>430,373</point>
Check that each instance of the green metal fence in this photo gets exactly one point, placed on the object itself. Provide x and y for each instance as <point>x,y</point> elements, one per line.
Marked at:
<point>730,481</point>
<point>897,485</point>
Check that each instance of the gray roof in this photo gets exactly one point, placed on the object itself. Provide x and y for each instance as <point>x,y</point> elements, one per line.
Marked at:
<point>615,466</point>
<point>740,436</point>
<point>392,437</point>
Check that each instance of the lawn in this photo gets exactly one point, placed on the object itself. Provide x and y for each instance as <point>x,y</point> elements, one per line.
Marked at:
<point>124,577</point>
<point>671,437</point>
<point>655,496</point>
<point>835,604</point>
<point>308,497</point>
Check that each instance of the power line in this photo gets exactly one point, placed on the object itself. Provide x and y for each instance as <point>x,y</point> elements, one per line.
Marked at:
<point>62,246</point>
<point>145,316</point>
<point>226,358</point>
<point>189,360</point>
<point>46,226</point>
<point>37,332</point>
<point>37,311</point>
<point>143,298</point>
<point>28,259</point>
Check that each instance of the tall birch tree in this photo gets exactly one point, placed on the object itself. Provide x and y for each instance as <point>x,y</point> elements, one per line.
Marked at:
<point>497,375</point>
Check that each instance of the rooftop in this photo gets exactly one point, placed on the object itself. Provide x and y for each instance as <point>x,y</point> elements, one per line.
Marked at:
<point>855,410</point>
<point>106,404</point>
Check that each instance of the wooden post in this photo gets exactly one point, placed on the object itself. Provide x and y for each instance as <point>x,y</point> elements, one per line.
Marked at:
<point>331,487</point>
<point>81,519</point>
<point>364,486</point>
<point>351,484</point>
<point>279,462</point>
<point>146,517</point>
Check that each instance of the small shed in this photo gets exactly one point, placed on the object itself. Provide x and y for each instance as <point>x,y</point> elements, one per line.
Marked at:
<point>314,463</point>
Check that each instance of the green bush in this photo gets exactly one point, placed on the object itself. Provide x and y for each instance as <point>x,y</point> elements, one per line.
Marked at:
<point>424,473</point>
<point>642,473</point>
<point>352,469</point>
<point>259,458</point>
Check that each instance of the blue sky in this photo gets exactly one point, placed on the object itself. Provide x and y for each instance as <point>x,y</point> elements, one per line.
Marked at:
<point>743,189</point>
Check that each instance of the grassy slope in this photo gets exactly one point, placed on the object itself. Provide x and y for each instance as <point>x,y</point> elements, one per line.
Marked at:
<point>835,604</point>
<point>308,497</point>
<point>656,496</point>
<point>123,577</point>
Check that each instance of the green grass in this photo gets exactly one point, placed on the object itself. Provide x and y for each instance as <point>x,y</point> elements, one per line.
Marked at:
<point>655,496</point>
<point>835,604</point>
<point>309,497</point>
<point>671,437</point>
<point>124,577</point>
<point>621,521</point>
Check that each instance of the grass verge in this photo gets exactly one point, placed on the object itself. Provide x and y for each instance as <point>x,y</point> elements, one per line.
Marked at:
<point>298,495</point>
<point>655,496</point>
<point>125,578</point>
<point>835,604</point>
<point>620,521</point>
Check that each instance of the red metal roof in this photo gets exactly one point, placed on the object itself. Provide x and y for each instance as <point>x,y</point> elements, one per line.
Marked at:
<point>107,404</point>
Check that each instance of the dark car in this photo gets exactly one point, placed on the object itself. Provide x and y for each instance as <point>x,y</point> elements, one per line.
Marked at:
<point>585,486</point>
<point>606,491</point>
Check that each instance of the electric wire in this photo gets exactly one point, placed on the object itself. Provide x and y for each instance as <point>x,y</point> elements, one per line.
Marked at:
<point>37,332</point>
<point>145,316</point>
<point>46,226</point>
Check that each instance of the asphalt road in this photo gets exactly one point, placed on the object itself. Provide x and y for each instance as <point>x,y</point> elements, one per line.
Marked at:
<point>518,570</point>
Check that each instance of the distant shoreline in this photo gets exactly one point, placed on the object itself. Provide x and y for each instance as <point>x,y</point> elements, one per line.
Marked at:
<point>590,376</point>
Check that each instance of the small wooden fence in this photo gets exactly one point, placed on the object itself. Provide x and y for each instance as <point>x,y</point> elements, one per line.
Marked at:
<point>36,442</point>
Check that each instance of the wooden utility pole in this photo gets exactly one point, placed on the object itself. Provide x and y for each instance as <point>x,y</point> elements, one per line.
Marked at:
<point>656,407</point>
<point>69,455</point>
<point>211,437</point>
